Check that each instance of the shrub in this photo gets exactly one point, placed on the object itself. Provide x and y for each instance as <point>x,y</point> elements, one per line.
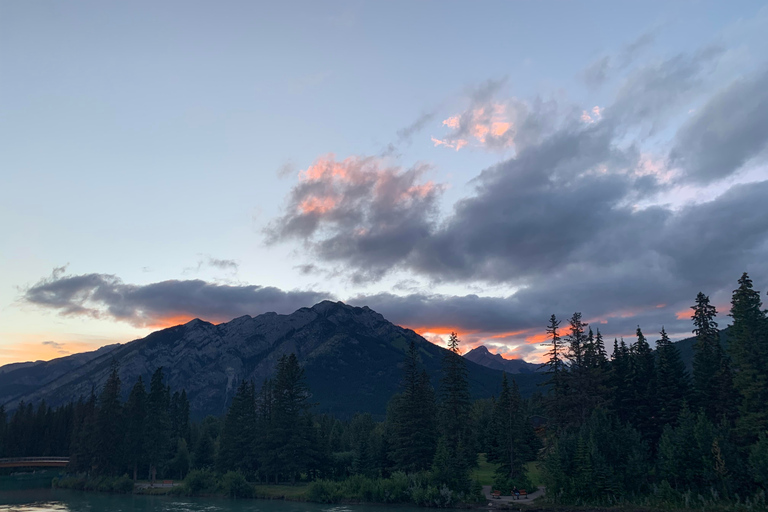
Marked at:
<point>123,485</point>
<point>201,481</point>
<point>324,491</point>
<point>236,486</point>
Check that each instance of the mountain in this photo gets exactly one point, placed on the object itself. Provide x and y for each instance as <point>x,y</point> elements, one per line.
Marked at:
<point>482,356</point>
<point>23,378</point>
<point>352,358</point>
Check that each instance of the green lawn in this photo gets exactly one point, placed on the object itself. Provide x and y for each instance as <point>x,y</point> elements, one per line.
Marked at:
<point>485,471</point>
<point>534,473</point>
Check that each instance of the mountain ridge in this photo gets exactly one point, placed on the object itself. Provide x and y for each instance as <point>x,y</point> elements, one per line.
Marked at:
<point>352,358</point>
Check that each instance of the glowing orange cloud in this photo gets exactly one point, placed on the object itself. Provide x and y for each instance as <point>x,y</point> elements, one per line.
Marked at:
<point>489,125</point>
<point>317,204</point>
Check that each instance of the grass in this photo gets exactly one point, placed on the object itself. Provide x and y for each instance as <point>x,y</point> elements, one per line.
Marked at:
<point>296,492</point>
<point>485,470</point>
<point>534,473</point>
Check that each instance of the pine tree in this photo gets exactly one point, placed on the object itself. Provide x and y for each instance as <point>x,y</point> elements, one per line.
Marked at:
<point>509,437</point>
<point>412,418</point>
<point>455,421</point>
<point>290,435</point>
<point>642,383</point>
<point>555,369</point>
<point>157,429</point>
<point>712,385</point>
<point>748,348</point>
<point>109,426</point>
<point>672,381</point>
<point>619,378</point>
<point>135,424</point>
<point>238,436</point>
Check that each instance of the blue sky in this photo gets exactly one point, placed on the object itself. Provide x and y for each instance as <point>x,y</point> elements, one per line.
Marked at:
<point>145,143</point>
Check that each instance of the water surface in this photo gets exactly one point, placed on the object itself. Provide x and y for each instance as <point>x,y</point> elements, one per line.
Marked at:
<point>58,500</point>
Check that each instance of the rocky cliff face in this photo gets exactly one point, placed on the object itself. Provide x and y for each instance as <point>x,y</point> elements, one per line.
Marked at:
<point>352,358</point>
<point>482,356</point>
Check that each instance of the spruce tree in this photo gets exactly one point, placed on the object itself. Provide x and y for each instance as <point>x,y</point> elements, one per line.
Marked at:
<point>555,369</point>
<point>672,381</point>
<point>238,436</point>
<point>455,421</point>
<point>157,429</point>
<point>135,424</point>
<point>109,426</point>
<point>642,383</point>
<point>748,348</point>
<point>712,385</point>
<point>412,418</point>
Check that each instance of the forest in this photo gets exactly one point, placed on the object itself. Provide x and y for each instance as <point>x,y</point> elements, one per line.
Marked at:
<point>633,427</point>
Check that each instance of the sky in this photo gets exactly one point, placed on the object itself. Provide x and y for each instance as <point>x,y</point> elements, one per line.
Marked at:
<point>455,166</point>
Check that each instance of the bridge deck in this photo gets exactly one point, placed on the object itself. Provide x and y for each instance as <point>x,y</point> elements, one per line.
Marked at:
<point>34,462</point>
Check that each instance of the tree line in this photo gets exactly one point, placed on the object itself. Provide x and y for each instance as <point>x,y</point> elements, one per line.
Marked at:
<point>632,426</point>
<point>637,426</point>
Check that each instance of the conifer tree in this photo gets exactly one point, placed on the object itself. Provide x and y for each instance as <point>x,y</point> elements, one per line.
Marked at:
<point>135,424</point>
<point>508,431</point>
<point>672,381</point>
<point>291,401</point>
<point>158,424</point>
<point>619,378</point>
<point>642,382</point>
<point>238,436</point>
<point>555,369</point>
<point>712,384</point>
<point>412,418</point>
<point>748,348</point>
<point>455,421</point>
<point>109,426</point>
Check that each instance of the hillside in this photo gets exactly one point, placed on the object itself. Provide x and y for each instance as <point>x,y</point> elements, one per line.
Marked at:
<point>352,358</point>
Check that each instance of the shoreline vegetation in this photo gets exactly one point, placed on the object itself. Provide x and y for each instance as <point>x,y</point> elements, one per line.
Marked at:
<point>629,431</point>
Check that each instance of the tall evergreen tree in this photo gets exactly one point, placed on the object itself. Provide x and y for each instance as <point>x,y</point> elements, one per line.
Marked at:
<point>642,382</point>
<point>412,418</point>
<point>109,426</point>
<point>712,384</point>
<point>238,436</point>
<point>748,348</point>
<point>455,422</point>
<point>158,424</point>
<point>290,434</point>
<point>672,381</point>
<point>510,440</point>
<point>555,369</point>
<point>135,425</point>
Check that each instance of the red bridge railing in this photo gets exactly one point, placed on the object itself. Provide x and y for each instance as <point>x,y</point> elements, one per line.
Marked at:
<point>26,462</point>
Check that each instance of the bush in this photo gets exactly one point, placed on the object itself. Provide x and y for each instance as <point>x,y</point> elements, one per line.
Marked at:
<point>236,486</point>
<point>201,481</point>
<point>123,485</point>
<point>324,491</point>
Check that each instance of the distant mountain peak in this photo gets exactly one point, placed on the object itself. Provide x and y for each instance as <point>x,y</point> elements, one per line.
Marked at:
<point>481,355</point>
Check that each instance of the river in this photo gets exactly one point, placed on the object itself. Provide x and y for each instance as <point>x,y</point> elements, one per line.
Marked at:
<point>50,500</point>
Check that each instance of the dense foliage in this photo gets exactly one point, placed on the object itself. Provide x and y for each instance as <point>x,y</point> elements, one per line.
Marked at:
<point>638,428</point>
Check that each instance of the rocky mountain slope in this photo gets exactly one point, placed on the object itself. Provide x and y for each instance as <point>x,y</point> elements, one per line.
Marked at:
<point>352,358</point>
<point>482,356</point>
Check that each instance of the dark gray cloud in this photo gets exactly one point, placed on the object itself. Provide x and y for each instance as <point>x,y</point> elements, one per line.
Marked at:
<point>359,209</point>
<point>104,295</point>
<point>563,220</point>
<point>728,131</point>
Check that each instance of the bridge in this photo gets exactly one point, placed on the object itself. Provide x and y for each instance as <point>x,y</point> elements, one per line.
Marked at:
<point>34,462</point>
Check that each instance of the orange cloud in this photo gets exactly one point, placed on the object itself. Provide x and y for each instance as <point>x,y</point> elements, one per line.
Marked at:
<point>317,204</point>
<point>683,314</point>
<point>490,125</point>
<point>41,350</point>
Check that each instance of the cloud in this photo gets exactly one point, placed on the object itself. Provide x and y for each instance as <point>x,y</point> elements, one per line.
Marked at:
<point>572,221</point>
<point>600,69</point>
<point>726,133</point>
<point>160,304</point>
<point>359,207</point>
